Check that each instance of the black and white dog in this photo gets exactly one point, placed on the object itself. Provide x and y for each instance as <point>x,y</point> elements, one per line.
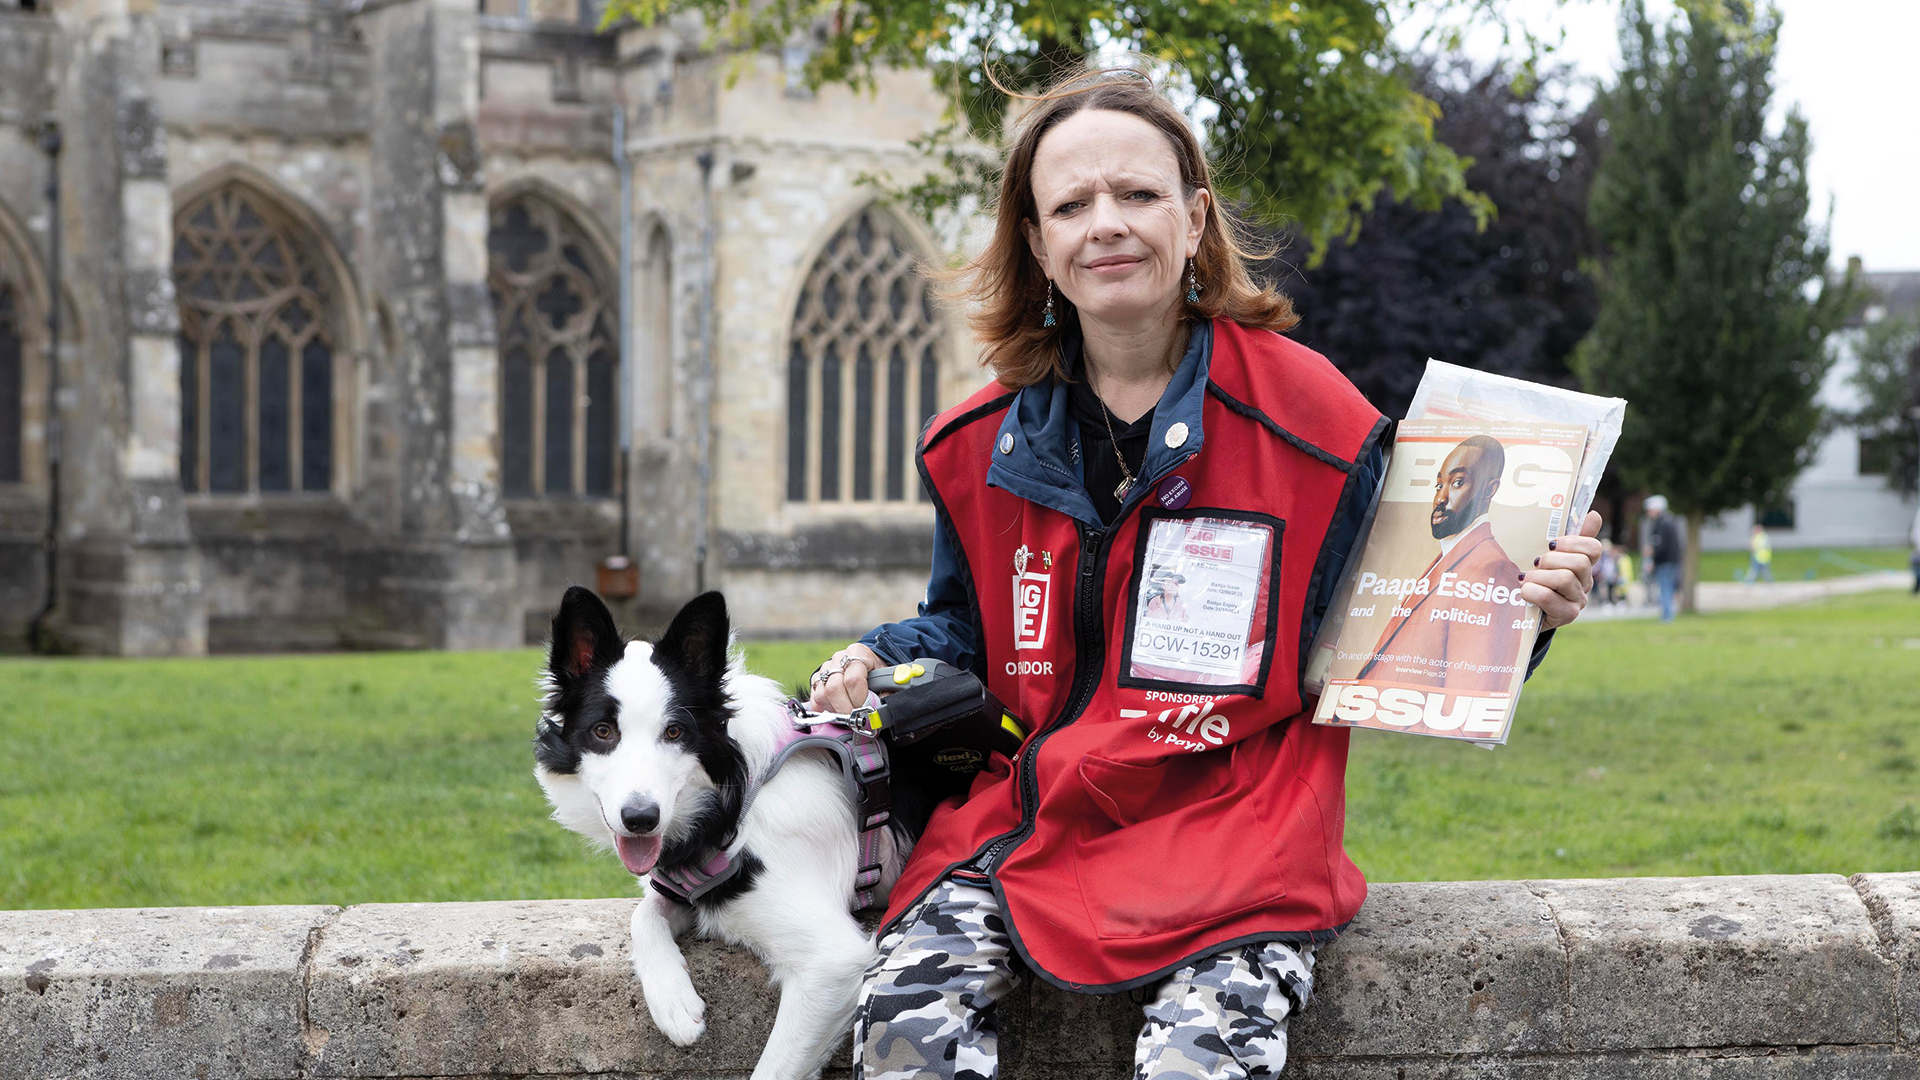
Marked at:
<point>650,750</point>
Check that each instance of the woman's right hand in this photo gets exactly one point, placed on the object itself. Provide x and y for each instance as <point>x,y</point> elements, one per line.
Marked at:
<point>840,684</point>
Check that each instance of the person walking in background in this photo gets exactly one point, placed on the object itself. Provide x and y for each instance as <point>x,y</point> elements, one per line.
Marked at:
<point>1661,550</point>
<point>1649,596</point>
<point>1914,560</point>
<point>1606,573</point>
<point>1759,555</point>
<point>1623,565</point>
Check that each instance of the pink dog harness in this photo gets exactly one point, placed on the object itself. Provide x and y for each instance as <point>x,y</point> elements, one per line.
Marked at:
<point>863,762</point>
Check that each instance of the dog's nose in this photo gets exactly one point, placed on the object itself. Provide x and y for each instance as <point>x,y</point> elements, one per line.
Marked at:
<point>641,816</point>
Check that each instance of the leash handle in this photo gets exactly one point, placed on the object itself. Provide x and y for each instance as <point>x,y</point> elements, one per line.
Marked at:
<point>912,673</point>
<point>935,695</point>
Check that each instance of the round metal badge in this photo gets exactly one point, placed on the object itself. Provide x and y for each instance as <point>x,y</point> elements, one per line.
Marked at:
<point>1174,492</point>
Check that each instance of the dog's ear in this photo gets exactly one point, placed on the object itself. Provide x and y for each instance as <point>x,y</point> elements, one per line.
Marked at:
<point>584,637</point>
<point>697,639</point>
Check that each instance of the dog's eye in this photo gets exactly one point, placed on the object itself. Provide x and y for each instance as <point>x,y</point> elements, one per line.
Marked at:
<point>672,733</point>
<point>604,731</point>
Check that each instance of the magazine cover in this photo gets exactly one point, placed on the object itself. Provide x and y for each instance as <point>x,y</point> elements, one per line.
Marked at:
<point>1451,392</point>
<point>1435,638</point>
<point>1456,392</point>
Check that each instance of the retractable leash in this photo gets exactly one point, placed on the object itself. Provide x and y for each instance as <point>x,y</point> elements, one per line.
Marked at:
<point>935,730</point>
<point>940,719</point>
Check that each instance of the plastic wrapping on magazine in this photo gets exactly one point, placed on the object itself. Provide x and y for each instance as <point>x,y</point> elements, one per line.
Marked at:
<point>1448,391</point>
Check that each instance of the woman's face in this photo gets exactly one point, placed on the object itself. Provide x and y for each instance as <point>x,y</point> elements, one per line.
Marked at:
<point>1114,227</point>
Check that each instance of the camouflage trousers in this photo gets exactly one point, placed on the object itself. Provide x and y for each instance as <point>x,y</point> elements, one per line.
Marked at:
<point>927,1005</point>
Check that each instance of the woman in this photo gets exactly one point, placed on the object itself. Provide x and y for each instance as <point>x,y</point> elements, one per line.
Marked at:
<point>1163,596</point>
<point>1174,822</point>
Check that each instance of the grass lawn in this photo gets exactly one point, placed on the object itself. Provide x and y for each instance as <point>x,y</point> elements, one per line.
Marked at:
<point>1764,742</point>
<point>1794,564</point>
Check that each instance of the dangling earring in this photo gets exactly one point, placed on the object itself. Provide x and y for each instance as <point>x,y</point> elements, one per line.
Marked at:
<point>1193,284</point>
<point>1048,321</point>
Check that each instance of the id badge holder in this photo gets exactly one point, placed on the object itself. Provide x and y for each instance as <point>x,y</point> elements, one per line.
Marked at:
<point>1201,608</point>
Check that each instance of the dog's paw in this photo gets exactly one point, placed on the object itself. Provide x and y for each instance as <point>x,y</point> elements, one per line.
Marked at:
<point>677,1010</point>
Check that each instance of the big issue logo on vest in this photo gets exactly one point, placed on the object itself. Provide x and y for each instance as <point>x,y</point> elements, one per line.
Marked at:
<point>1031,591</point>
<point>1154,757</point>
<point>1032,603</point>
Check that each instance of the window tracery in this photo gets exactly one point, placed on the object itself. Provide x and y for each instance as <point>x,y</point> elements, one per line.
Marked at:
<point>863,368</point>
<point>257,348</point>
<point>13,342</point>
<point>559,365</point>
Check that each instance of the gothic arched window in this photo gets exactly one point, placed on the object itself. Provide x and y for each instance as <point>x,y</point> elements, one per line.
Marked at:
<point>559,368</point>
<point>257,347</point>
<point>654,370</point>
<point>13,373</point>
<point>23,360</point>
<point>863,368</point>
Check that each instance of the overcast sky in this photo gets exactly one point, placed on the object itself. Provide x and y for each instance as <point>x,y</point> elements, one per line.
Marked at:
<point>1852,67</point>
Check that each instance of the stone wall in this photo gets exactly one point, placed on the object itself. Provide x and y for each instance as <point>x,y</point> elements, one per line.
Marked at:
<point>1737,978</point>
<point>547,94</point>
<point>795,167</point>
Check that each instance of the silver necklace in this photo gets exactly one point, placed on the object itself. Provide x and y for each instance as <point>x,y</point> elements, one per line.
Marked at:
<point>1106,417</point>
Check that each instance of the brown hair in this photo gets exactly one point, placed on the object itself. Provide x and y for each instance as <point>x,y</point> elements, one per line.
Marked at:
<point>1007,284</point>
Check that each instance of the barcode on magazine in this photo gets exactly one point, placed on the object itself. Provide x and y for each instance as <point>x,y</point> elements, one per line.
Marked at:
<point>1555,522</point>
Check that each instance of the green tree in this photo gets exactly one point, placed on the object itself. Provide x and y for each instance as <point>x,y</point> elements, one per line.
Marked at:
<point>1715,302</point>
<point>1513,297</point>
<point>1888,380</point>
<point>1308,100</point>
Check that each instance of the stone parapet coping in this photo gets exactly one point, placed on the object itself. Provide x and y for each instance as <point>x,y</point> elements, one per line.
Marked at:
<point>1728,978</point>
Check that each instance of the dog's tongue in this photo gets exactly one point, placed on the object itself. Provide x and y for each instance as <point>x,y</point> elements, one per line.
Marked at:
<point>639,853</point>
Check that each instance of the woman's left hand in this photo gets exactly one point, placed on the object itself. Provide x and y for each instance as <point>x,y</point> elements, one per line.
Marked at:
<point>1563,577</point>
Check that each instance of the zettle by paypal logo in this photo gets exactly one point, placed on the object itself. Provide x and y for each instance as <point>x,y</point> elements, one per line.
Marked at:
<point>1193,727</point>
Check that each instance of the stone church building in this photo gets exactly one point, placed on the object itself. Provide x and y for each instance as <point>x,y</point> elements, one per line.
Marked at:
<point>338,289</point>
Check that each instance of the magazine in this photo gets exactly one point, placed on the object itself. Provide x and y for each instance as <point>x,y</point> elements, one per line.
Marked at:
<point>1450,392</point>
<point>1433,637</point>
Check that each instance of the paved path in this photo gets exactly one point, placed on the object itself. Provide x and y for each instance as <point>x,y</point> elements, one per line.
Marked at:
<point>1737,596</point>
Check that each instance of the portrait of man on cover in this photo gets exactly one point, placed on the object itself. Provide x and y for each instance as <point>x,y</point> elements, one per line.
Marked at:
<point>1481,634</point>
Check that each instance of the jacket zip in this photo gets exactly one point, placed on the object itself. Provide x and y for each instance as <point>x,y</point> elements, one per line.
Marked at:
<point>1091,546</point>
<point>1090,644</point>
